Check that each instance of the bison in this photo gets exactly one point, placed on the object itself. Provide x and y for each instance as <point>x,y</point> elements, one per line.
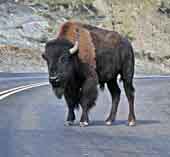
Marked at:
<point>83,56</point>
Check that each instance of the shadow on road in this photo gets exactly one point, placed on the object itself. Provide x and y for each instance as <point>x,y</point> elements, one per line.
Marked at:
<point>124,122</point>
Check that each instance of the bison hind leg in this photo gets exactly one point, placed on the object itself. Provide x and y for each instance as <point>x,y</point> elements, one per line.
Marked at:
<point>115,94</point>
<point>129,90</point>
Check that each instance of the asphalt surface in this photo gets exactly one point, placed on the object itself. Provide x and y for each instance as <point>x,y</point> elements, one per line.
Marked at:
<point>12,80</point>
<point>31,123</point>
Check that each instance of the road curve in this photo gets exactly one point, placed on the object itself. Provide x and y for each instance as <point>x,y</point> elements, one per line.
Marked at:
<point>31,124</point>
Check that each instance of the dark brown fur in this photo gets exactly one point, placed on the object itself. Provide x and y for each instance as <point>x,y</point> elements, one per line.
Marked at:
<point>101,57</point>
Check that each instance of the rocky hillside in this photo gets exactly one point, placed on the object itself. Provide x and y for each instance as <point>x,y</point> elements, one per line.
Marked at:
<point>25,26</point>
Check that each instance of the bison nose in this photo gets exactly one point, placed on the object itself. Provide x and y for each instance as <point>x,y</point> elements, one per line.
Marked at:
<point>54,79</point>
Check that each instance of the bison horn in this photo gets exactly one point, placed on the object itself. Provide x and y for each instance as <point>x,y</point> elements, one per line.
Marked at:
<point>74,48</point>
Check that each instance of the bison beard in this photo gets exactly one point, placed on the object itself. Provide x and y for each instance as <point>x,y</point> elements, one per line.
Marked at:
<point>83,56</point>
<point>59,91</point>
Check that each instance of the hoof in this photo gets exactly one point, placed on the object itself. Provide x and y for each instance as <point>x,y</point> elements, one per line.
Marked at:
<point>108,123</point>
<point>84,124</point>
<point>132,123</point>
<point>68,123</point>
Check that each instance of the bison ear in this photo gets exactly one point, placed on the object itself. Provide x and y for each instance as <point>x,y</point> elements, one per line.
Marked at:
<point>43,56</point>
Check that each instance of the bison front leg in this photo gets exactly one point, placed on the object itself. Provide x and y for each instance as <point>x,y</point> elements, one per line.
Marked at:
<point>88,98</point>
<point>72,97</point>
<point>70,116</point>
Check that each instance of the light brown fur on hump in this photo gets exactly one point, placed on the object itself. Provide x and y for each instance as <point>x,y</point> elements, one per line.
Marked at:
<point>86,47</point>
<point>73,31</point>
<point>68,31</point>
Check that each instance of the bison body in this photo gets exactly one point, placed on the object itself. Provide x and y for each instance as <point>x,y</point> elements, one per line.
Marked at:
<point>98,58</point>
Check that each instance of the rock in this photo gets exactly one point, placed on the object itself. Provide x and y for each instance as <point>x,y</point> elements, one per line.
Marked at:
<point>167,28</point>
<point>20,26</point>
<point>164,7</point>
<point>35,30</point>
<point>102,6</point>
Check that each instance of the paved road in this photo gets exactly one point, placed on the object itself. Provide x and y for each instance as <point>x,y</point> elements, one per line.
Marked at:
<point>31,124</point>
<point>11,80</point>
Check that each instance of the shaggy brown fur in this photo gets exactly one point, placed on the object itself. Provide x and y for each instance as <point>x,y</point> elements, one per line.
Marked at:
<point>102,55</point>
<point>96,38</point>
<point>74,31</point>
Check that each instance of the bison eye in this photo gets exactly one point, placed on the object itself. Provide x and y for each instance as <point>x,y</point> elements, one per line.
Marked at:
<point>65,59</point>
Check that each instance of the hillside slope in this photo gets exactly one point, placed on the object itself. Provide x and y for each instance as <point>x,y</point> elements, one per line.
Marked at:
<point>28,24</point>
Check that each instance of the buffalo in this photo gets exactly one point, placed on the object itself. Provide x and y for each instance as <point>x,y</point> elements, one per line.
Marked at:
<point>82,57</point>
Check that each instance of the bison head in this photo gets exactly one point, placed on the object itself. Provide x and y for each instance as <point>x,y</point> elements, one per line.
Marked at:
<point>60,58</point>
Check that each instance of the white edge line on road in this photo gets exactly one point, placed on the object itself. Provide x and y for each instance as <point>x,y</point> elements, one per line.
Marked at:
<point>136,77</point>
<point>23,78</point>
<point>15,88</point>
<point>152,77</point>
<point>21,88</point>
<point>12,89</point>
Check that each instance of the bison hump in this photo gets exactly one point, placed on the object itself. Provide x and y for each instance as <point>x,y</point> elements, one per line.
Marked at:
<point>74,31</point>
